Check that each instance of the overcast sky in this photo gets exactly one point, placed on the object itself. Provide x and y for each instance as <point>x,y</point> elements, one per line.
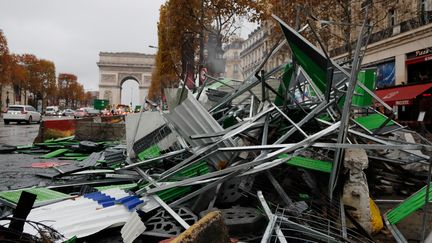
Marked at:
<point>71,33</point>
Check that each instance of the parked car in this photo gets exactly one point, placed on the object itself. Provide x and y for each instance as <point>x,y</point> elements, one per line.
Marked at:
<point>80,113</point>
<point>93,112</point>
<point>51,111</point>
<point>68,112</point>
<point>21,113</point>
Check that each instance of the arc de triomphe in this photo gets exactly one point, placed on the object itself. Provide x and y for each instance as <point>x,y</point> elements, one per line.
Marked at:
<point>117,67</point>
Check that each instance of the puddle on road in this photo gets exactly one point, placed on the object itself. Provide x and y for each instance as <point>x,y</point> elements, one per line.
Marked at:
<point>18,134</point>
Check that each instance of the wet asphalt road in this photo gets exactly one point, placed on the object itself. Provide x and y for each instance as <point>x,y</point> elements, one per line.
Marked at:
<point>15,170</point>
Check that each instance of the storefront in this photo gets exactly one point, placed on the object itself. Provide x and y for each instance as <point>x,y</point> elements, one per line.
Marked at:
<point>419,66</point>
<point>408,100</point>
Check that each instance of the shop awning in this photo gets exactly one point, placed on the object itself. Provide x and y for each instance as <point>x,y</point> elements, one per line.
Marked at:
<point>419,59</point>
<point>402,95</point>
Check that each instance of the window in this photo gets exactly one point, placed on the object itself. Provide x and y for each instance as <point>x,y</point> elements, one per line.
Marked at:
<point>392,17</point>
<point>236,55</point>
<point>423,11</point>
<point>235,68</point>
<point>423,5</point>
<point>15,108</point>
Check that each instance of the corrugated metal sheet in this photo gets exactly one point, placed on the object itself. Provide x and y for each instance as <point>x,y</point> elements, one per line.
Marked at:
<point>133,228</point>
<point>82,216</point>
<point>191,118</point>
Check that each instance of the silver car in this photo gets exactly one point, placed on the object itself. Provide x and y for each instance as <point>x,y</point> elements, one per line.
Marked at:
<point>68,112</point>
<point>21,113</point>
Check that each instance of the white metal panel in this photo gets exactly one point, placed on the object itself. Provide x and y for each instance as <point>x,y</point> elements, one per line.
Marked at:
<point>133,228</point>
<point>80,216</point>
<point>191,118</point>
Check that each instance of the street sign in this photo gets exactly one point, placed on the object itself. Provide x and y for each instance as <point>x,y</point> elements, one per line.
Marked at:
<point>100,104</point>
<point>203,73</point>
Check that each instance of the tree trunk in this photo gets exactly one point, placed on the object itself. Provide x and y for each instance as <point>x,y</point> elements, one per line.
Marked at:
<point>25,97</point>
<point>1,98</point>
<point>188,64</point>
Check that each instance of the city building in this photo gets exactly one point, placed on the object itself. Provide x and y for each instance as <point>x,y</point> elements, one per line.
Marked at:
<point>11,95</point>
<point>400,47</point>
<point>232,59</point>
<point>256,47</point>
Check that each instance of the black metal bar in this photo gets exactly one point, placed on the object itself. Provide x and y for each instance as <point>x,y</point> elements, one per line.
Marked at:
<point>389,118</point>
<point>24,206</point>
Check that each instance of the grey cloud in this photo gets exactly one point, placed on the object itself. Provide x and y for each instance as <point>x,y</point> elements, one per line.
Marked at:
<point>72,33</point>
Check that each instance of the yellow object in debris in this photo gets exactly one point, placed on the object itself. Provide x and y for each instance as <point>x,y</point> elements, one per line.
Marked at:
<point>376,219</point>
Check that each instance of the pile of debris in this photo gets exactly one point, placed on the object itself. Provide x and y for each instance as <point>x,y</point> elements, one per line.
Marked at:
<point>309,165</point>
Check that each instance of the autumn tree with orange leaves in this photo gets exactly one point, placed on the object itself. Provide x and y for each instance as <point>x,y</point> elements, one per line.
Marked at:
<point>19,75</point>
<point>34,76</point>
<point>5,64</point>
<point>65,80</point>
<point>47,76</point>
<point>70,90</point>
<point>180,24</point>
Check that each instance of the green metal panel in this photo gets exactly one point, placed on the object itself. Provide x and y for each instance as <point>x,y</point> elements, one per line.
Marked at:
<point>173,193</point>
<point>373,121</point>
<point>407,207</point>
<point>307,56</point>
<point>361,98</point>
<point>286,79</point>
<point>42,195</point>
<point>307,163</point>
<point>54,153</point>
<point>193,170</point>
<point>149,153</point>
<point>315,72</point>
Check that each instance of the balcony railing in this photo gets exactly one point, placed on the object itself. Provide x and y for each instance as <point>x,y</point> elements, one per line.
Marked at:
<point>405,26</point>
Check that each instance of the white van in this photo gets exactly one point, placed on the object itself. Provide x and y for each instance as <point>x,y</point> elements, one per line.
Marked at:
<point>51,110</point>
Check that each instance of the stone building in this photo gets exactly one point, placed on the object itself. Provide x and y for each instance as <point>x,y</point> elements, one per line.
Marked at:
<point>400,47</point>
<point>11,95</point>
<point>256,47</point>
<point>116,68</point>
<point>401,42</point>
<point>232,59</point>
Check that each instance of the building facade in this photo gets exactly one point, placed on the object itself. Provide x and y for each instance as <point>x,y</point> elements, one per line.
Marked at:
<point>256,47</point>
<point>400,48</point>
<point>12,95</point>
<point>115,68</point>
<point>400,45</point>
<point>232,59</point>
